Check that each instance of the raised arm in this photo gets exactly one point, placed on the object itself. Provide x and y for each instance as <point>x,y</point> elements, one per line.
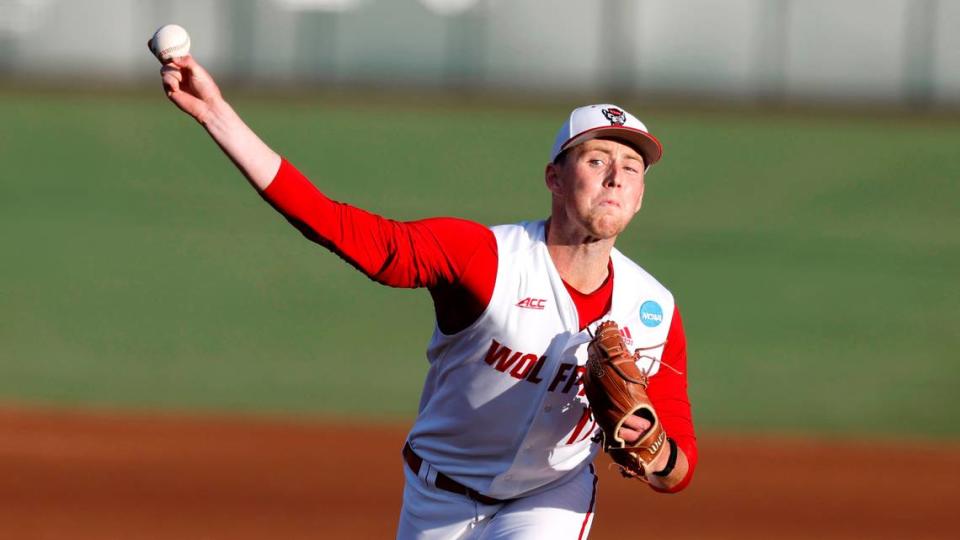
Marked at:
<point>456,259</point>
<point>191,88</point>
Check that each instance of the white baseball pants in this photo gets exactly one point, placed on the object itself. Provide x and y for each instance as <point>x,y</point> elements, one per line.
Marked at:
<point>562,512</point>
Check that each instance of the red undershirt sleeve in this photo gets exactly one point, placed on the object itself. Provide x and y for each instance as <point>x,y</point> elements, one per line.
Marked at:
<point>668,392</point>
<point>455,259</point>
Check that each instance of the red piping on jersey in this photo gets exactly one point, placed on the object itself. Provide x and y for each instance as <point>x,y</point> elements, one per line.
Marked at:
<point>593,500</point>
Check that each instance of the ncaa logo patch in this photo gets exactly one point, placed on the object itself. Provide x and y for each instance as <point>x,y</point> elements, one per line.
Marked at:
<point>651,314</point>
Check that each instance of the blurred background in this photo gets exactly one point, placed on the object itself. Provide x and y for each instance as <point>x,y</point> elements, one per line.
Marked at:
<point>805,214</point>
<point>896,52</point>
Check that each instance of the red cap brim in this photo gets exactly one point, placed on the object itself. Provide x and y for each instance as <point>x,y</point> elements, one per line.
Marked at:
<point>643,142</point>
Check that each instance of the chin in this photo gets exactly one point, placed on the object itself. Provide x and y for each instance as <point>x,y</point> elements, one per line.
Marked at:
<point>606,228</point>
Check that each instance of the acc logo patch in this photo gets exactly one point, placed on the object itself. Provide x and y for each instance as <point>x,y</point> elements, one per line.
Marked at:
<point>651,314</point>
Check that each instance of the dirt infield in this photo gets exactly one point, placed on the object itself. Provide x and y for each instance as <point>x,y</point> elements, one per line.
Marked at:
<point>86,476</point>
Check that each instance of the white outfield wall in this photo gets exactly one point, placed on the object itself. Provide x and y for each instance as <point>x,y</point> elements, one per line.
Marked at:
<point>901,51</point>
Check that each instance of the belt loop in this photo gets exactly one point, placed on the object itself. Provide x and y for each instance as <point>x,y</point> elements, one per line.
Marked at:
<point>424,467</point>
<point>476,514</point>
<point>428,474</point>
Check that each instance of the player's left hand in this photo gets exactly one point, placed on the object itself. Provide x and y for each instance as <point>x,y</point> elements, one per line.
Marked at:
<point>633,428</point>
<point>617,392</point>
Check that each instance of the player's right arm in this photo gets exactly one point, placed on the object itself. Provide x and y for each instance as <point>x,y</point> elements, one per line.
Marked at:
<point>191,88</point>
<point>456,259</point>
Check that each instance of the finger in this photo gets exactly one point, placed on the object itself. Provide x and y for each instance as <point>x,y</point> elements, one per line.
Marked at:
<point>186,102</point>
<point>172,77</point>
<point>637,423</point>
<point>171,83</point>
<point>184,62</point>
<point>191,66</point>
<point>629,436</point>
<point>187,66</point>
<point>171,71</point>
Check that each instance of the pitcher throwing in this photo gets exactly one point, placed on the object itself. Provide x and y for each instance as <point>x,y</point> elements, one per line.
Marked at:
<point>505,439</point>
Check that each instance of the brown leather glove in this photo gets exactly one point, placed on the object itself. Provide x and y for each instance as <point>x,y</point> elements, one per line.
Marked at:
<point>616,389</point>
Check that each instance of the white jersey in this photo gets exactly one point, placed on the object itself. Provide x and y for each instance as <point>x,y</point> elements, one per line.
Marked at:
<point>502,410</point>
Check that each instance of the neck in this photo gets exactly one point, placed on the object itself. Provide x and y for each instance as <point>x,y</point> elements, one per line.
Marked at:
<point>580,260</point>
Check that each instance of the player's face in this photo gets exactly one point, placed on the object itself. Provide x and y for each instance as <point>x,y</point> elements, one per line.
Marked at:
<point>598,186</point>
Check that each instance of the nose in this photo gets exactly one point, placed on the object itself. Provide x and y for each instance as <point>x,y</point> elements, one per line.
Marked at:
<point>613,176</point>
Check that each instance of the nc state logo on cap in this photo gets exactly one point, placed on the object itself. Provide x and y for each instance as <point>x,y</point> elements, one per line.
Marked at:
<point>615,116</point>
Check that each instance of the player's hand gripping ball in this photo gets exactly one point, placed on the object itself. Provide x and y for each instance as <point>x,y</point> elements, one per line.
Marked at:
<point>168,42</point>
<point>617,389</point>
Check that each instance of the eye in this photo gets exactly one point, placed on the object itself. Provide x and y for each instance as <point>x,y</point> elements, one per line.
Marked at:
<point>595,162</point>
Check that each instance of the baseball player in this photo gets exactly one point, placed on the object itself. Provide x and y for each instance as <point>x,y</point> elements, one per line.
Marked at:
<point>504,442</point>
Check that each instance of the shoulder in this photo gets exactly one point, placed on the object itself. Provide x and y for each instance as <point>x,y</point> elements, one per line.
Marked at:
<point>627,270</point>
<point>456,230</point>
<point>518,236</point>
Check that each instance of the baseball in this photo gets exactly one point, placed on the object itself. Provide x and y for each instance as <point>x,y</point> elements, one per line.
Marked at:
<point>169,42</point>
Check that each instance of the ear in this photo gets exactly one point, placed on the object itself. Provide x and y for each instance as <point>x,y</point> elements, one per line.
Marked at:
<point>551,177</point>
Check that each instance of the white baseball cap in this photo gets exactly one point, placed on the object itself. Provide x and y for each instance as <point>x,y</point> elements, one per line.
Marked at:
<point>606,120</point>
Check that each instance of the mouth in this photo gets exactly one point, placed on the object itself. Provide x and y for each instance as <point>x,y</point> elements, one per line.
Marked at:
<point>610,202</point>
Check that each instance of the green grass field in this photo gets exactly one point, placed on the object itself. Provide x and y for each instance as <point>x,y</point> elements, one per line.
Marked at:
<point>815,257</point>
